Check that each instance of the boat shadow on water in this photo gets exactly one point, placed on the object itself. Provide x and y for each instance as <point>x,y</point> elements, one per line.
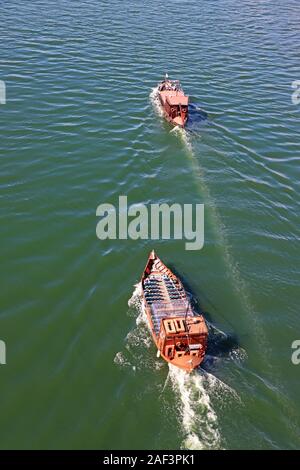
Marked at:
<point>221,344</point>
<point>139,355</point>
<point>197,118</point>
<point>196,394</point>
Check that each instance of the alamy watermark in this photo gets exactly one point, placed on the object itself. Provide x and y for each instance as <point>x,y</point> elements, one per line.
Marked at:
<point>2,92</point>
<point>296,93</point>
<point>2,352</point>
<point>153,221</point>
<point>296,352</point>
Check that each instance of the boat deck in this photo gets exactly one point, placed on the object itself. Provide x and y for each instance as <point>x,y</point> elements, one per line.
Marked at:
<point>166,298</point>
<point>160,310</point>
<point>174,98</point>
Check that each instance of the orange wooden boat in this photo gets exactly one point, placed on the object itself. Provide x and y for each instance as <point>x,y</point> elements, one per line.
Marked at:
<point>179,334</point>
<point>173,101</point>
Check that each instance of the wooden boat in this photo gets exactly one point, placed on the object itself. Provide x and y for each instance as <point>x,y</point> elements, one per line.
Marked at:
<point>173,101</point>
<point>178,332</point>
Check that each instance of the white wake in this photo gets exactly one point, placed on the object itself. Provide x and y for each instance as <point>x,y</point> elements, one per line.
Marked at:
<point>238,283</point>
<point>198,418</point>
<point>194,393</point>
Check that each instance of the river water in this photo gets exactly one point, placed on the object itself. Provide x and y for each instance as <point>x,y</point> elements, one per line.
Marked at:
<point>79,128</point>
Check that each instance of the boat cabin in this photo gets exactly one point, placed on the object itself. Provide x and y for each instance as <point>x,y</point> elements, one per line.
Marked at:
<point>181,336</point>
<point>176,105</point>
<point>174,101</point>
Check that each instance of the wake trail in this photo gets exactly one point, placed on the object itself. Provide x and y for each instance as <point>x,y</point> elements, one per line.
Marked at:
<point>197,418</point>
<point>199,394</point>
<point>239,285</point>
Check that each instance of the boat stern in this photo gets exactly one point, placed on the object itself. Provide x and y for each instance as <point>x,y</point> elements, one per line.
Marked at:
<point>182,341</point>
<point>180,121</point>
<point>187,362</point>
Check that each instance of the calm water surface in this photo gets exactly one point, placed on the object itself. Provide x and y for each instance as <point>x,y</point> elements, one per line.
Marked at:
<point>80,127</point>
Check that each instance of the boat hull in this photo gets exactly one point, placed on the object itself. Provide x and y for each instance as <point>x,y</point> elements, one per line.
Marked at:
<point>187,363</point>
<point>166,305</point>
<point>174,102</point>
<point>177,122</point>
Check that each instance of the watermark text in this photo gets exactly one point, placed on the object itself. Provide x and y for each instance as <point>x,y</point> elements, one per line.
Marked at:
<point>2,92</point>
<point>2,352</point>
<point>296,352</point>
<point>296,93</point>
<point>153,221</point>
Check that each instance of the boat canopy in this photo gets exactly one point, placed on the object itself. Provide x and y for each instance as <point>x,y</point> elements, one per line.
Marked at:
<point>177,99</point>
<point>176,308</point>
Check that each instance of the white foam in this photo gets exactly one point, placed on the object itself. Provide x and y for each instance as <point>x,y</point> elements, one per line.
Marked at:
<point>138,337</point>
<point>155,101</point>
<point>238,354</point>
<point>122,361</point>
<point>138,341</point>
<point>199,420</point>
<point>238,283</point>
<point>221,389</point>
<point>183,136</point>
<point>136,297</point>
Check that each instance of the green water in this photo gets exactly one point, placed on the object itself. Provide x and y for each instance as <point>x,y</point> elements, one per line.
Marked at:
<point>80,128</point>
